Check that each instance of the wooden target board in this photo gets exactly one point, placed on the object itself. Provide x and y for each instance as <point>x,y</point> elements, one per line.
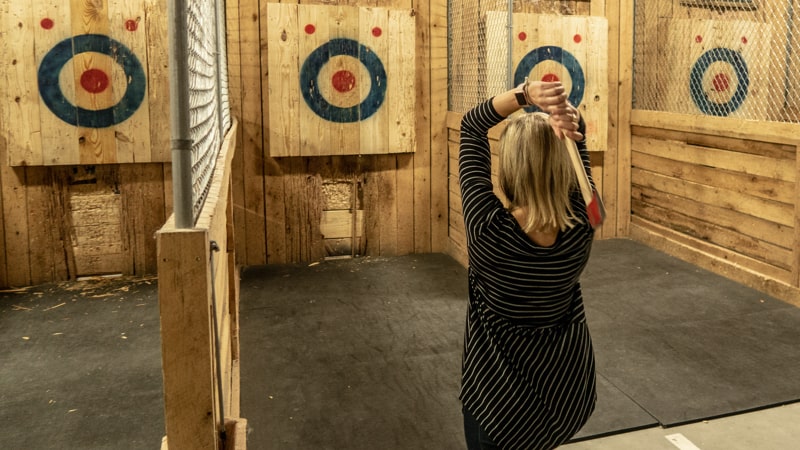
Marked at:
<point>341,80</point>
<point>76,84</point>
<point>715,68</point>
<point>570,49</point>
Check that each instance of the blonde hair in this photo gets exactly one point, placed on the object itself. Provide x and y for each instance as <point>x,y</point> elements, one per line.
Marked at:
<point>536,174</point>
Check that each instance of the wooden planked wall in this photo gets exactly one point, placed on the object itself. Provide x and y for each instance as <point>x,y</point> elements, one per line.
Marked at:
<point>283,204</point>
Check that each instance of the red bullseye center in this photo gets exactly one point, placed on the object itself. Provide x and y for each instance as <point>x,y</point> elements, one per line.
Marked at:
<point>550,77</point>
<point>94,81</point>
<point>721,82</point>
<point>344,81</point>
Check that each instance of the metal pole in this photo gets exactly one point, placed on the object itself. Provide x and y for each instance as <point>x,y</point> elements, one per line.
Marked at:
<point>179,115</point>
<point>510,43</point>
<point>219,24</point>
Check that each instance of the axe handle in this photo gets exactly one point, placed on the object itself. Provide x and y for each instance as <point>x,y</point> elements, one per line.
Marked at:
<point>580,170</point>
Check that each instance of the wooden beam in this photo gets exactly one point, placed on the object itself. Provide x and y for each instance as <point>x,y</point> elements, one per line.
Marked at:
<point>618,167</point>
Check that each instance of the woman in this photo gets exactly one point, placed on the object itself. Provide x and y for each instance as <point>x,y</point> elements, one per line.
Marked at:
<point>528,375</point>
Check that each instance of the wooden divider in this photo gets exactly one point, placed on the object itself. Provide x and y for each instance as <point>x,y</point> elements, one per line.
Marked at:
<point>198,286</point>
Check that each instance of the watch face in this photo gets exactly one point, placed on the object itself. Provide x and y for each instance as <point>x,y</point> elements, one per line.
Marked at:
<point>521,100</point>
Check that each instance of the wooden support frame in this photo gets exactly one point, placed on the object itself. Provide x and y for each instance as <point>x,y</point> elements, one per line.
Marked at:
<point>193,280</point>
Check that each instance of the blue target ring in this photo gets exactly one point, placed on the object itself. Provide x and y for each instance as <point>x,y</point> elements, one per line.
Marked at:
<point>701,98</point>
<point>53,96</point>
<point>309,83</point>
<point>557,54</point>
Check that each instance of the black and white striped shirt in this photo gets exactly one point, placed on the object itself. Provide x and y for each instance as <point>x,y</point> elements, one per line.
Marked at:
<point>528,372</point>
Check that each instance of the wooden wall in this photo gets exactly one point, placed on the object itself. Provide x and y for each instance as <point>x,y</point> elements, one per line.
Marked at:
<point>292,209</point>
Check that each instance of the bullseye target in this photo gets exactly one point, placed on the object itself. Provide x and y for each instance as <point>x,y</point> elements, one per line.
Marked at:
<point>330,81</point>
<point>552,63</point>
<point>719,81</point>
<point>93,81</point>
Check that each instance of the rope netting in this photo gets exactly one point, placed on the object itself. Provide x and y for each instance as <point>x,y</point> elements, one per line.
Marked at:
<point>208,92</point>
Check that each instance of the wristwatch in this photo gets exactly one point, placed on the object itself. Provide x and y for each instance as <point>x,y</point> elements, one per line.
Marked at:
<point>519,93</point>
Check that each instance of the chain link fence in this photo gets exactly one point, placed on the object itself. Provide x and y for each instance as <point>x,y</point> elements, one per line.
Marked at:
<point>480,34</point>
<point>208,92</point>
<point>726,58</point>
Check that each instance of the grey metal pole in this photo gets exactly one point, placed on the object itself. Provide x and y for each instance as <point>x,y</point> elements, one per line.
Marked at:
<point>179,114</point>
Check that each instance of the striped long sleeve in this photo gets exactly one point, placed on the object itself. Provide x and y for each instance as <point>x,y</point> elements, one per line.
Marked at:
<point>528,373</point>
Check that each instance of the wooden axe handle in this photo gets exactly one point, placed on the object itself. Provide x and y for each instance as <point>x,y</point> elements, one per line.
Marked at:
<point>580,170</point>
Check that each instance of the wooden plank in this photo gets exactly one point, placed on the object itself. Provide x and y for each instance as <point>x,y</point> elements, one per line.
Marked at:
<point>283,68</point>
<point>795,280</point>
<point>43,230</point>
<point>339,224</point>
<point>96,145</point>
<point>375,27</point>
<point>758,186</point>
<point>405,203</point>
<point>235,96</point>
<point>21,109</point>
<point>186,339</point>
<point>316,138</point>
<point>142,189</point>
<point>128,27</point>
<point>400,100</point>
<point>768,210</point>
<point>15,218</point>
<point>438,118</point>
<point>344,23</point>
<point>422,158</point>
<point>775,132</point>
<point>721,159</point>
<point>155,29</point>
<point>59,139</point>
<point>386,178</point>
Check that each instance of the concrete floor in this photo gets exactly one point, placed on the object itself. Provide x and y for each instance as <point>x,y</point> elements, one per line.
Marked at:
<point>770,429</point>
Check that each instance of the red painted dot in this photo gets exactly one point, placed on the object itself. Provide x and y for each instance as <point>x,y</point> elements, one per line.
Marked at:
<point>310,29</point>
<point>550,77</point>
<point>577,38</point>
<point>522,36</point>
<point>131,25</point>
<point>377,32</point>
<point>94,81</point>
<point>47,23</point>
<point>344,81</point>
<point>721,82</point>
<point>698,39</point>
<point>744,39</point>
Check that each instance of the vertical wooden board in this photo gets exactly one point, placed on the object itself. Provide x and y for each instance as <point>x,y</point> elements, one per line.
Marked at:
<point>312,23</point>
<point>405,204</point>
<point>283,70</point>
<point>386,177</point>
<point>128,27</point>
<point>235,89</point>
<point>43,225</point>
<point>155,23</point>
<point>20,92</point>
<point>422,157</point>
<point>439,149</point>
<point>400,100</point>
<point>97,144</point>
<point>345,134</point>
<point>59,139</point>
<point>15,219</point>
<point>596,98</point>
<point>186,340</point>
<point>374,34</point>
<point>142,193</point>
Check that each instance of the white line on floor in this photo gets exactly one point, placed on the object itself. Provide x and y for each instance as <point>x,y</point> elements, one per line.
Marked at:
<point>680,441</point>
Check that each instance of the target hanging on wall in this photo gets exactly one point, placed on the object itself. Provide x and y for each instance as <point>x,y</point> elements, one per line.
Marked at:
<point>713,69</point>
<point>719,81</point>
<point>569,49</point>
<point>550,63</point>
<point>93,81</point>
<point>341,80</point>
<point>331,88</point>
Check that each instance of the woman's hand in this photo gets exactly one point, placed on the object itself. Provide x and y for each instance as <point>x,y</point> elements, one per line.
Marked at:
<point>551,97</point>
